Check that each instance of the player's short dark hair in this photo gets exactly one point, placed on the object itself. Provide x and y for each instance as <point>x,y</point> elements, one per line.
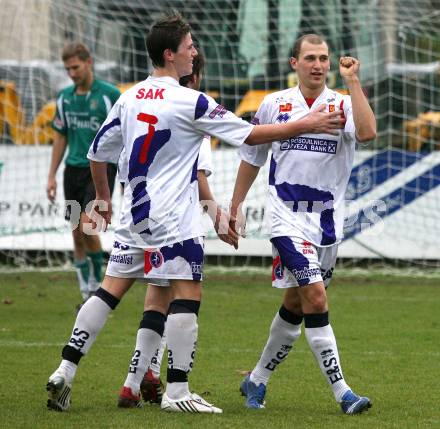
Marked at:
<point>198,67</point>
<point>166,33</point>
<point>75,49</point>
<point>314,39</point>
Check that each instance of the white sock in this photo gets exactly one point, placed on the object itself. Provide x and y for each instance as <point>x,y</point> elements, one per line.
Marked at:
<point>69,368</point>
<point>282,335</point>
<point>181,342</point>
<point>147,342</point>
<point>89,322</point>
<point>323,344</point>
<point>156,361</point>
<point>177,390</point>
<point>181,338</point>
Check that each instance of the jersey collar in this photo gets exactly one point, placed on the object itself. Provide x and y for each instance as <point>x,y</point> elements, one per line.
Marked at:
<point>319,100</point>
<point>166,79</point>
<point>93,88</point>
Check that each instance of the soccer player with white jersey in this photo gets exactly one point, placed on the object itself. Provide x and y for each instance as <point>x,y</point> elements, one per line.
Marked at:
<point>308,177</point>
<point>160,125</point>
<point>138,381</point>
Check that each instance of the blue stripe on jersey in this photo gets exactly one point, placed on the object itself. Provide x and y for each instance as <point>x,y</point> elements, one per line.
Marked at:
<point>295,261</point>
<point>394,201</point>
<point>191,251</point>
<point>137,175</point>
<point>378,169</point>
<point>194,170</point>
<point>302,197</point>
<point>103,130</point>
<point>201,106</point>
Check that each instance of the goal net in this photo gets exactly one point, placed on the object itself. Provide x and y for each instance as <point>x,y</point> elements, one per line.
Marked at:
<point>393,195</point>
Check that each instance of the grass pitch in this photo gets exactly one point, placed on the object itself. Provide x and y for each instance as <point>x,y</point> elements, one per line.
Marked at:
<point>387,329</point>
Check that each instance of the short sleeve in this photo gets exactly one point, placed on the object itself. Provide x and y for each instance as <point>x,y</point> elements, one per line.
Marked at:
<point>123,166</point>
<point>255,155</point>
<point>59,121</point>
<point>115,94</point>
<point>213,119</point>
<point>205,156</point>
<point>348,113</point>
<point>107,144</point>
<point>262,115</point>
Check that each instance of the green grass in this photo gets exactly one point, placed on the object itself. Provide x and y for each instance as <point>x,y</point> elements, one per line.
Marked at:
<point>387,329</point>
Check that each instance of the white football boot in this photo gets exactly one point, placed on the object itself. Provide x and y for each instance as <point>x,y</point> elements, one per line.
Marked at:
<point>192,403</point>
<point>59,391</point>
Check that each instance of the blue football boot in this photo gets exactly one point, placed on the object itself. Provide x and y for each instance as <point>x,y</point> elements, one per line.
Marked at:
<point>254,394</point>
<point>354,404</point>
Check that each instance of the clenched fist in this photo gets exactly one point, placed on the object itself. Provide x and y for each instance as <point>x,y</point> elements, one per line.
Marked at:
<point>348,68</point>
<point>347,62</point>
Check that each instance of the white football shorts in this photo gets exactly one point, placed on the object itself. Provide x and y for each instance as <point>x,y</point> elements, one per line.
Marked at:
<point>297,262</point>
<point>178,261</point>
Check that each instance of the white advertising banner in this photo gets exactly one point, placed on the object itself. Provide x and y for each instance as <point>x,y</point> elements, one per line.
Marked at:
<point>393,201</point>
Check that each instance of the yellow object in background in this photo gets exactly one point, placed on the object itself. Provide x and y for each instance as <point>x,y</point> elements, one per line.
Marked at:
<point>251,101</point>
<point>424,129</point>
<point>40,131</point>
<point>11,112</point>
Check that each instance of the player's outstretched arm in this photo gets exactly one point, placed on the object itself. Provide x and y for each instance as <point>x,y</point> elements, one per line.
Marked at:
<point>58,149</point>
<point>247,173</point>
<point>102,205</point>
<point>363,115</point>
<point>219,217</point>
<point>316,122</point>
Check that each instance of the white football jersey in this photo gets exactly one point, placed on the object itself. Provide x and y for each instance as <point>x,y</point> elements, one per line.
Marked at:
<point>309,173</point>
<point>161,125</point>
<point>204,161</point>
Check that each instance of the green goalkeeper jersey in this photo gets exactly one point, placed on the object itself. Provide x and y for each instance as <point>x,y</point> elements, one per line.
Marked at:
<point>79,117</point>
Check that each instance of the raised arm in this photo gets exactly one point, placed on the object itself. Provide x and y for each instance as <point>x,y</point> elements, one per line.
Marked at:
<point>363,115</point>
